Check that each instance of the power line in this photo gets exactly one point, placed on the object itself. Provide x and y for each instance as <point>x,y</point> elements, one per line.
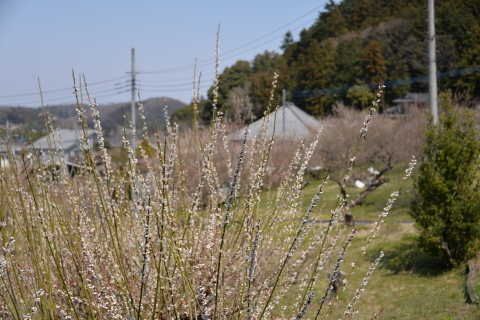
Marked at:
<point>321,92</point>
<point>105,81</point>
<point>225,55</point>
<point>229,54</point>
<point>295,94</point>
<point>110,95</point>
<point>199,65</point>
<point>176,80</point>
<point>57,90</point>
<point>211,61</point>
<point>168,90</point>
<point>140,85</point>
<point>93,94</point>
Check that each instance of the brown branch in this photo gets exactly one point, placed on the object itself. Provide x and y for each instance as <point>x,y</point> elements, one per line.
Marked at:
<point>373,186</point>
<point>362,195</point>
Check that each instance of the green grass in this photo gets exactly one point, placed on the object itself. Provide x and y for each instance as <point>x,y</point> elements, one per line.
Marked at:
<point>424,291</point>
<point>375,202</point>
<point>407,284</point>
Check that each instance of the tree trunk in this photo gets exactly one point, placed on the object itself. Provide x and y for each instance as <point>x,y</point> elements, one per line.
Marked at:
<point>471,281</point>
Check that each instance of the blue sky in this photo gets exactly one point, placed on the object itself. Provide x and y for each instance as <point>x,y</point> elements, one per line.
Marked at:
<point>48,38</point>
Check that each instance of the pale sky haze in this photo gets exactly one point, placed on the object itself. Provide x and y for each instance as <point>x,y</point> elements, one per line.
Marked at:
<point>47,38</point>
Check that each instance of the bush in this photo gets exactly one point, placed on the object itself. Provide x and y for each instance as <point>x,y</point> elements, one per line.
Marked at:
<point>391,140</point>
<point>171,242</point>
<point>447,208</point>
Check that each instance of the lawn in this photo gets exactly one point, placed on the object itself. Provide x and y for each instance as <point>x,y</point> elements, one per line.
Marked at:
<point>407,284</point>
<point>375,202</point>
<point>398,289</point>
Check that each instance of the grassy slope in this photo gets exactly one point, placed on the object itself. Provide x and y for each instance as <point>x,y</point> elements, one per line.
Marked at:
<point>418,289</point>
<point>423,291</point>
<point>375,202</point>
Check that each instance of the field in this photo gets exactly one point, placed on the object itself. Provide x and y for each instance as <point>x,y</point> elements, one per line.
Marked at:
<point>199,230</point>
<point>407,284</point>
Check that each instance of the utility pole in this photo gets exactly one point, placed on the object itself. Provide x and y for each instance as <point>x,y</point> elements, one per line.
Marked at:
<point>284,105</point>
<point>432,62</point>
<point>132,142</point>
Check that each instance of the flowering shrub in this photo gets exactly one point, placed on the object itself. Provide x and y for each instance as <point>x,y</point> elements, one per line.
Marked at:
<point>169,243</point>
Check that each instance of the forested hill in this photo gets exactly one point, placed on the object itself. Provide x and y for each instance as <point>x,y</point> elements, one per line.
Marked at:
<point>65,116</point>
<point>355,43</point>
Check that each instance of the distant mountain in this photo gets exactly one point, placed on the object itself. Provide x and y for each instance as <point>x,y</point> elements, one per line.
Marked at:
<point>21,115</point>
<point>154,110</point>
<point>65,116</point>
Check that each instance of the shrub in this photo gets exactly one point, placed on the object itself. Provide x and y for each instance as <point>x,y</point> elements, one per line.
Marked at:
<point>391,141</point>
<point>170,242</point>
<point>447,208</point>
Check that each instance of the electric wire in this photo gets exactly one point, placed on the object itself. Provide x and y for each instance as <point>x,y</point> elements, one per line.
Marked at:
<point>296,94</point>
<point>58,90</point>
<point>228,54</point>
<point>140,85</point>
<point>70,98</point>
<point>401,82</point>
<point>176,80</point>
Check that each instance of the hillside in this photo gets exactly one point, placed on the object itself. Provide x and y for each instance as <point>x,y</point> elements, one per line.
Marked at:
<point>65,116</point>
<point>355,44</point>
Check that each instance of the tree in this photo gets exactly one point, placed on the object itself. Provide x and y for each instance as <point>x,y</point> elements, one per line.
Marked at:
<point>361,95</point>
<point>348,62</point>
<point>447,209</point>
<point>147,148</point>
<point>184,115</point>
<point>315,72</point>
<point>287,41</point>
<point>265,62</point>
<point>234,76</point>
<point>264,66</point>
<point>375,67</point>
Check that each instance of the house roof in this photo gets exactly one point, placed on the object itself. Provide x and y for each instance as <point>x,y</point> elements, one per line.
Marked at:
<point>289,122</point>
<point>412,97</point>
<point>13,146</point>
<point>69,138</point>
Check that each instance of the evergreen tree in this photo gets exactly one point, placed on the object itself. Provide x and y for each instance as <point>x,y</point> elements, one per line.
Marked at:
<point>287,41</point>
<point>361,95</point>
<point>447,209</point>
<point>265,62</point>
<point>357,42</point>
<point>315,73</point>
<point>237,75</point>
<point>375,67</point>
<point>348,62</point>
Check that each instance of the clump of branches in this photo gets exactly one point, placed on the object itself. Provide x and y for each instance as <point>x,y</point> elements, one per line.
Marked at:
<point>173,241</point>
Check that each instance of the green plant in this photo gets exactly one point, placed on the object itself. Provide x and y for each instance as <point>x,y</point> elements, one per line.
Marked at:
<point>183,239</point>
<point>146,148</point>
<point>447,208</point>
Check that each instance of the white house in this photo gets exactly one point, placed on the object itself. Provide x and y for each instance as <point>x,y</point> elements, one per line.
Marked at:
<point>69,141</point>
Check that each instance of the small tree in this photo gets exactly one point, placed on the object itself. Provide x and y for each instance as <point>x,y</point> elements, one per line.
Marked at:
<point>147,148</point>
<point>447,188</point>
<point>287,41</point>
